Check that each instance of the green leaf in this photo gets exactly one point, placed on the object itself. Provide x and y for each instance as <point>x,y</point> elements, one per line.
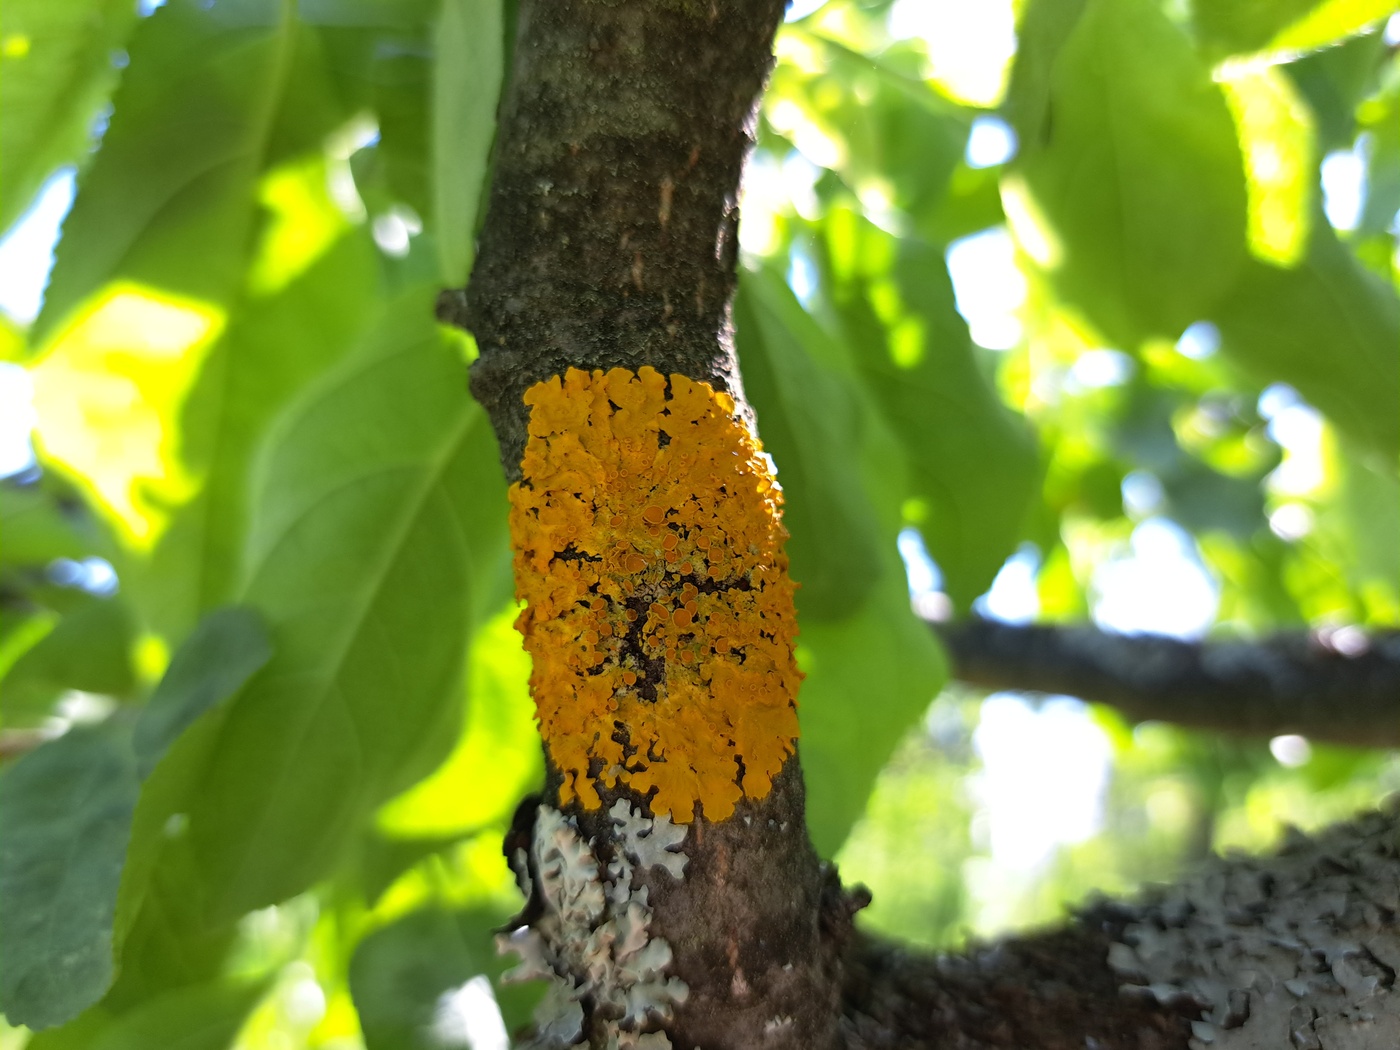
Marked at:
<point>897,131</point>
<point>37,528</point>
<point>1129,188</point>
<point>497,758</point>
<point>273,349</point>
<point>200,1017</point>
<point>1334,82</point>
<point>205,1017</point>
<point>810,423</point>
<point>66,810</point>
<point>869,678</point>
<point>379,56</point>
<point>400,974</point>
<point>1369,507</point>
<point>56,65</point>
<point>1236,26</point>
<point>469,42</point>
<point>379,513</point>
<point>1332,21</point>
<point>973,470</point>
<point>170,199</point>
<point>1233,26</point>
<point>227,648</point>
<point>1328,328</point>
<point>88,650</point>
<point>1202,500</point>
<point>868,644</point>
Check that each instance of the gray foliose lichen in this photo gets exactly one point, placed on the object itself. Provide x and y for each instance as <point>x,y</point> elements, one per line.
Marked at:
<point>1293,952</point>
<point>592,942</point>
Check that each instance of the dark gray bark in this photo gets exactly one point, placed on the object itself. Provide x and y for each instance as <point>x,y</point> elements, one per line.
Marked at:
<point>611,233</point>
<point>1342,687</point>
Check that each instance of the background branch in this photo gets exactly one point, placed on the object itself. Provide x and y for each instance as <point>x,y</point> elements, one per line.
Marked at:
<point>1340,686</point>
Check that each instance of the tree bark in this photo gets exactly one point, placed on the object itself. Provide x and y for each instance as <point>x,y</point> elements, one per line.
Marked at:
<point>610,244</point>
<point>1341,686</point>
<point>600,305</point>
<point>1299,950</point>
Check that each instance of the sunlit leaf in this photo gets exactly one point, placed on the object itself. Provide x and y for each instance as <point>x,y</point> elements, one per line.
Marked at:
<point>1276,137</point>
<point>899,139</point>
<point>1128,156</point>
<point>171,198</point>
<point>304,221</point>
<point>106,395</point>
<point>379,514</point>
<point>273,348</point>
<point>469,41</point>
<point>1241,26</point>
<point>1331,21</point>
<point>57,66</point>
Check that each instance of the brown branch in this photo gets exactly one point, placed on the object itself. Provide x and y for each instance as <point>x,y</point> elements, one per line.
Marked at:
<point>1341,686</point>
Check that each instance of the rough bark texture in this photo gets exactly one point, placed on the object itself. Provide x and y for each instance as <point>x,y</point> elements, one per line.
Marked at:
<point>1340,686</point>
<point>1298,950</point>
<point>1052,991</point>
<point>610,241</point>
<point>610,237</point>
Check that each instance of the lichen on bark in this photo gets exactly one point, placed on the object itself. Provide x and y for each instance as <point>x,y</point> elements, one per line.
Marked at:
<point>610,243</point>
<point>659,616</point>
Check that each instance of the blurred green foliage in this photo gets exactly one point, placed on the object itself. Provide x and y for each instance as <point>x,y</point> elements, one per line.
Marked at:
<point>255,595</point>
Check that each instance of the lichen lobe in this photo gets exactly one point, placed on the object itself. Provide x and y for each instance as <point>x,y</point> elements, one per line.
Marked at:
<point>592,940</point>
<point>1300,950</point>
<point>659,616</point>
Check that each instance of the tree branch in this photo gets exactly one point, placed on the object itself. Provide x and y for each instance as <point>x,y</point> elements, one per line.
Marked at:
<point>1342,687</point>
<point>675,896</point>
<point>1295,950</point>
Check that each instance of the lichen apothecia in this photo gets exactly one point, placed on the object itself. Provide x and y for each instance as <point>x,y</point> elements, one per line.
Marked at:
<point>659,610</point>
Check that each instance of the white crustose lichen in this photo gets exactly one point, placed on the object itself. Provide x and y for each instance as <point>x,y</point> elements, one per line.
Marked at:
<point>592,942</point>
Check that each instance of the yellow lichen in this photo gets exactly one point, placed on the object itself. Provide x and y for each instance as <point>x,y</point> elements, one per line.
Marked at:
<point>659,615</point>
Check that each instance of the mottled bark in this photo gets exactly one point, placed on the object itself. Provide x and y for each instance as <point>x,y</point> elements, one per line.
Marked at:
<point>610,241</point>
<point>611,233</point>
<point>1341,686</point>
<point>1297,951</point>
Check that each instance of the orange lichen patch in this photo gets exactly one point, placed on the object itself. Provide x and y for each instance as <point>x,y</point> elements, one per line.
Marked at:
<point>659,615</point>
